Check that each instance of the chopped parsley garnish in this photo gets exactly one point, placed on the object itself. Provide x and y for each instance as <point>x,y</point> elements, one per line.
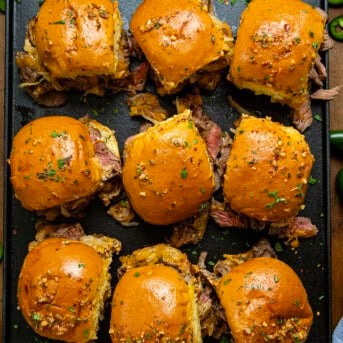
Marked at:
<point>315,45</point>
<point>318,117</point>
<point>184,173</point>
<point>59,22</point>
<point>86,333</point>
<point>312,181</point>
<point>71,309</point>
<point>60,163</point>
<point>81,265</point>
<point>55,134</point>
<point>276,278</point>
<point>297,40</point>
<point>48,173</point>
<point>276,201</point>
<point>278,247</point>
<point>297,303</point>
<point>35,316</point>
<point>227,281</point>
<point>137,274</point>
<point>202,206</point>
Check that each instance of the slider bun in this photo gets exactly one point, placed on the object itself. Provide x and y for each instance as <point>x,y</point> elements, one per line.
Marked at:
<point>167,173</point>
<point>78,38</point>
<point>267,171</point>
<point>178,37</point>
<point>264,300</point>
<point>277,42</point>
<point>155,303</point>
<point>52,162</point>
<point>61,289</point>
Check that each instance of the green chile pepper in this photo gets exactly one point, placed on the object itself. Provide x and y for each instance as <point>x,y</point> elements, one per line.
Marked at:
<point>336,28</point>
<point>339,183</point>
<point>336,140</point>
<point>335,2</point>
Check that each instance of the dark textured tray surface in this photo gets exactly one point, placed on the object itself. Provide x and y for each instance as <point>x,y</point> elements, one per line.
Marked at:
<point>310,260</point>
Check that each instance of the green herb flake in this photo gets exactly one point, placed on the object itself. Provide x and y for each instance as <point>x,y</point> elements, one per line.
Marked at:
<point>203,206</point>
<point>71,309</point>
<point>276,201</point>
<point>227,281</point>
<point>55,134</point>
<point>202,190</point>
<point>278,247</point>
<point>86,333</point>
<point>297,303</point>
<point>35,316</point>
<point>233,2</point>
<point>59,22</point>
<point>311,34</point>
<point>315,45</point>
<point>137,274</point>
<point>297,40</point>
<point>184,173</point>
<point>60,163</point>
<point>318,117</point>
<point>210,263</point>
<point>81,265</point>
<point>190,124</point>
<point>276,278</point>
<point>312,181</point>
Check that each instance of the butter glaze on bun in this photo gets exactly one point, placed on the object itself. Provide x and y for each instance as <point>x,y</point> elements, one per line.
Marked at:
<point>78,38</point>
<point>53,161</point>
<point>264,300</point>
<point>167,172</point>
<point>179,38</point>
<point>267,170</point>
<point>156,298</point>
<point>153,302</point>
<point>63,285</point>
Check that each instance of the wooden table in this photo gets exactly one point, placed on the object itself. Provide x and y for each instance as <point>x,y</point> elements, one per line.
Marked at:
<point>336,113</point>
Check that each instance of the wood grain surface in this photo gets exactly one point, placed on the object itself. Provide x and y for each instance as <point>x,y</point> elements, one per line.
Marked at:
<point>336,119</point>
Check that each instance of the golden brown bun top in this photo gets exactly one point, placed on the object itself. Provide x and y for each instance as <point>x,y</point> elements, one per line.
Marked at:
<point>57,283</point>
<point>267,170</point>
<point>153,302</point>
<point>276,44</point>
<point>264,300</point>
<point>167,173</point>
<point>78,37</point>
<point>52,162</point>
<point>178,37</point>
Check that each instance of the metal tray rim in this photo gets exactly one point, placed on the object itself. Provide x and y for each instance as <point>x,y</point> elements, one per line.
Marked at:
<point>9,72</point>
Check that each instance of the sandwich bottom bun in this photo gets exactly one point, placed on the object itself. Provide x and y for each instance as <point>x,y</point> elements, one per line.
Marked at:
<point>153,301</point>
<point>265,301</point>
<point>63,285</point>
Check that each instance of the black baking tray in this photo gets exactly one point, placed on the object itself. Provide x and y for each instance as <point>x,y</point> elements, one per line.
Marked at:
<point>311,260</point>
